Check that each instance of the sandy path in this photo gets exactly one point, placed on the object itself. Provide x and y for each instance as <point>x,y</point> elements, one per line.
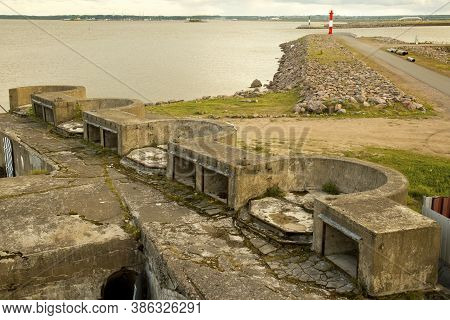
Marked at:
<point>336,136</point>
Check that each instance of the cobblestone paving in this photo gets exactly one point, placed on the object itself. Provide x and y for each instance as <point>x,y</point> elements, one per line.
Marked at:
<point>297,263</point>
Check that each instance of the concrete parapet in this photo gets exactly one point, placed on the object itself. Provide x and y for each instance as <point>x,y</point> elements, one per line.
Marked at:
<point>22,96</point>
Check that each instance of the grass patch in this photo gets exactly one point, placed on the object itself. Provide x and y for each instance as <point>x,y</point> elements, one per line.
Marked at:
<point>277,104</point>
<point>275,192</point>
<point>396,110</point>
<point>331,188</point>
<point>272,103</point>
<point>433,64</point>
<point>327,53</point>
<point>77,113</point>
<point>132,230</point>
<point>428,175</point>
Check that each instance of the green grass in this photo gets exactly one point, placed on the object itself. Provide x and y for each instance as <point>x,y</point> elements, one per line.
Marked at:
<point>428,175</point>
<point>327,54</point>
<point>431,63</point>
<point>331,188</point>
<point>268,104</point>
<point>275,104</point>
<point>275,192</point>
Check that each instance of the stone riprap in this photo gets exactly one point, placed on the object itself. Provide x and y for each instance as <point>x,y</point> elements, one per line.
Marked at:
<point>203,155</point>
<point>331,77</point>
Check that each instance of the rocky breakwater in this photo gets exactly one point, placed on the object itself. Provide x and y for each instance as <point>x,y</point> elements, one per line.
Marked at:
<point>333,79</point>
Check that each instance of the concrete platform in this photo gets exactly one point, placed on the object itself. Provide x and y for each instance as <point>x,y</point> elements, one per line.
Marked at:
<point>152,158</point>
<point>148,161</point>
<point>72,127</point>
<point>289,219</point>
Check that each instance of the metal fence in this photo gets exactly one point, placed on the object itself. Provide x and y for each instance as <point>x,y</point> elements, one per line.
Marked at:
<point>444,222</point>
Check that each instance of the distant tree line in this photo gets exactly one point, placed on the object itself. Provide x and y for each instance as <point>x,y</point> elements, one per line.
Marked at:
<point>243,18</point>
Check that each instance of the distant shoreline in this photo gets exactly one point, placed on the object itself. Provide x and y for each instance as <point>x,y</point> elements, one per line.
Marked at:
<point>381,24</point>
<point>350,20</point>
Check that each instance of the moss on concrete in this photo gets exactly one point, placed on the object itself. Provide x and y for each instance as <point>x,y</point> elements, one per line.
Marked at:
<point>331,188</point>
<point>274,192</point>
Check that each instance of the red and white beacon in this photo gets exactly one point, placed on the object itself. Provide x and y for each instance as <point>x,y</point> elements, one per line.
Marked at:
<point>330,24</point>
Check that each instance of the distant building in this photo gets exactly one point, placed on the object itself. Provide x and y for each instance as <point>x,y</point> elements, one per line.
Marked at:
<point>410,19</point>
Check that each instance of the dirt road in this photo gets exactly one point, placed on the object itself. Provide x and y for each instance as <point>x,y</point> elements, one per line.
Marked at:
<point>430,136</point>
<point>431,78</point>
<point>414,79</point>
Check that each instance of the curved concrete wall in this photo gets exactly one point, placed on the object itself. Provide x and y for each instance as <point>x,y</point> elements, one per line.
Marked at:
<point>157,132</point>
<point>22,96</point>
<point>134,107</point>
<point>353,176</point>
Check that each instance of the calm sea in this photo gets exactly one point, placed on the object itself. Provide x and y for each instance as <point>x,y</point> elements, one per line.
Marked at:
<point>154,61</point>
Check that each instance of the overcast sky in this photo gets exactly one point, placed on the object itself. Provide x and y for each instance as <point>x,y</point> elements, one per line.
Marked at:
<point>225,7</point>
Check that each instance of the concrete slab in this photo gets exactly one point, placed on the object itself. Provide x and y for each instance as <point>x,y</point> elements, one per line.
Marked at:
<point>280,214</point>
<point>72,127</point>
<point>152,158</point>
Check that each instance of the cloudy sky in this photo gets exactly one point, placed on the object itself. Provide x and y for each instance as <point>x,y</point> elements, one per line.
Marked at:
<point>224,7</point>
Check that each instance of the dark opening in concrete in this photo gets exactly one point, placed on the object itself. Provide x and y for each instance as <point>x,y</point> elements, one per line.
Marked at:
<point>340,249</point>
<point>49,115</point>
<point>2,172</point>
<point>121,285</point>
<point>110,140</point>
<point>38,110</point>
<point>215,185</point>
<point>184,171</point>
<point>93,133</point>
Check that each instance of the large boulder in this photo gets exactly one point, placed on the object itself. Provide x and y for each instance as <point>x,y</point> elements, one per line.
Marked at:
<point>256,84</point>
<point>316,107</point>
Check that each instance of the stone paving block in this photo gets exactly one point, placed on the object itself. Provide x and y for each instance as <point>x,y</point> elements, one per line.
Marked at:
<point>267,248</point>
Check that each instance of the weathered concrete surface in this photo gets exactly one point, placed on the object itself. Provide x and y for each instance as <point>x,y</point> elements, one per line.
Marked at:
<point>149,157</point>
<point>61,238</point>
<point>22,96</point>
<point>187,254</point>
<point>282,215</point>
<point>203,257</point>
<point>63,228</point>
<point>389,239</point>
<point>72,127</point>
